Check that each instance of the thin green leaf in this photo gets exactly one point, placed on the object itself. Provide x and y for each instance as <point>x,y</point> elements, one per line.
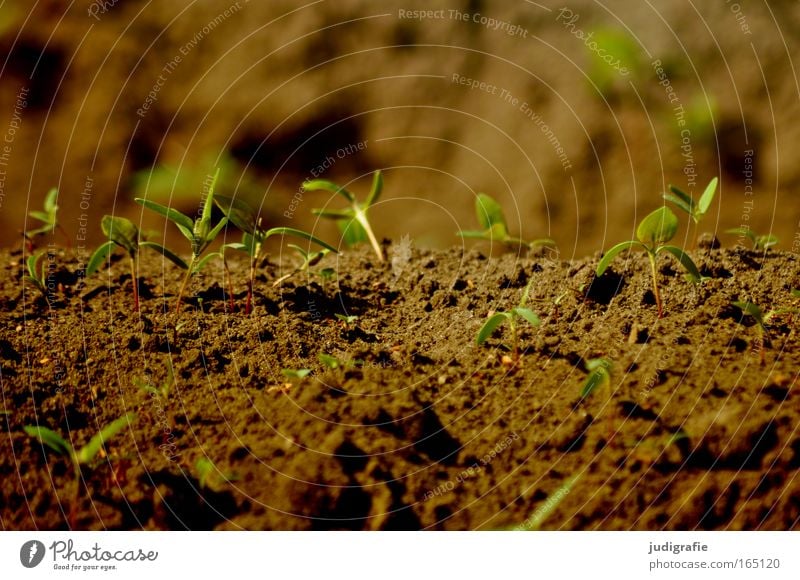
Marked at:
<point>708,196</point>
<point>284,231</point>
<point>683,197</point>
<point>239,212</point>
<point>489,212</point>
<point>88,452</point>
<point>472,234</point>
<point>50,205</point>
<point>205,260</point>
<point>334,214</point>
<point>166,253</point>
<point>609,256</point>
<point>325,185</point>
<point>52,439</point>
<point>596,379</point>
<point>41,216</point>
<point>183,221</point>
<point>375,191</point>
<point>767,241</point>
<point>743,231</point>
<point>751,309</point>
<point>212,235</point>
<point>684,259</point>
<point>99,257</point>
<point>32,263</point>
<point>543,242</point>
<point>122,232</point>
<point>490,326</point>
<point>329,360</point>
<point>296,373</point>
<point>658,227</point>
<point>527,314</point>
<point>680,203</point>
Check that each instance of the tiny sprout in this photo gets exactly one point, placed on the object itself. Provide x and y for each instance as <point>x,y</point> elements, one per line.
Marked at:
<point>353,221</point>
<point>309,260</point>
<point>763,320</point>
<point>48,216</point>
<point>244,217</point>
<point>209,476</point>
<point>123,233</point>
<point>162,392</point>
<point>348,320</point>
<point>684,201</point>
<point>499,318</point>
<point>37,274</point>
<point>331,361</point>
<point>760,243</point>
<point>495,228</point>
<point>599,370</point>
<point>653,232</point>
<point>295,373</point>
<point>85,455</point>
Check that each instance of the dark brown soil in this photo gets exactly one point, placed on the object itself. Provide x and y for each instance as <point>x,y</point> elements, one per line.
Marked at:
<point>426,430</point>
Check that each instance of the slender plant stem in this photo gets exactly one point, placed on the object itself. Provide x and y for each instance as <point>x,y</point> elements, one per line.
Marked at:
<point>250,282</point>
<point>184,284</point>
<point>135,283</point>
<point>231,301</point>
<point>655,284</point>
<point>362,219</point>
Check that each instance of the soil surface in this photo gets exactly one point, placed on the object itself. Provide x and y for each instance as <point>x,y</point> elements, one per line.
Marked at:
<point>422,428</point>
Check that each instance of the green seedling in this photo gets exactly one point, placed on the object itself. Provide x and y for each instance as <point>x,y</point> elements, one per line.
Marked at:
<point>348,320</point>
<point>199,232</point>
<point>86,455</point>
<point>684,201</point>
<point>542,513</point>
<point>760,243</point>
<point>309,260</point>
<point>37,273</point>
<point>162,391</point>
<point>298,374</point>
<point>121,233</point>
<point>599,370</point>
<point>495,228</point>
<point>763,320</point>
<point>511,318</point>
<point>244,217</point>
<point>353,221</point>
<point>209,476</point>
<point>654,231</point>
<point>599,378</point>
<point>48,215</point>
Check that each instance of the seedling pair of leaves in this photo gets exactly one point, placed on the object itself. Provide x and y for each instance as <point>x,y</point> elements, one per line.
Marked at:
<point>353,221</point>
<point>37,274</point>
<point>599,378</point>
<point>86,455</point>
<point>48,215</point>
<point>123,233</point>
<point>760,242</point>
<point>512,318</point>
<point>653,233</point>
<point>244,217</point>
<point>696,211</point>
<point>764,319</point>
<point>199,232</point>
<point>495,228</point>
<point>309,259</point>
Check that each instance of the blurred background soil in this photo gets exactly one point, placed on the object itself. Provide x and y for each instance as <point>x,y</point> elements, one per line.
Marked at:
<point>94,95</point>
